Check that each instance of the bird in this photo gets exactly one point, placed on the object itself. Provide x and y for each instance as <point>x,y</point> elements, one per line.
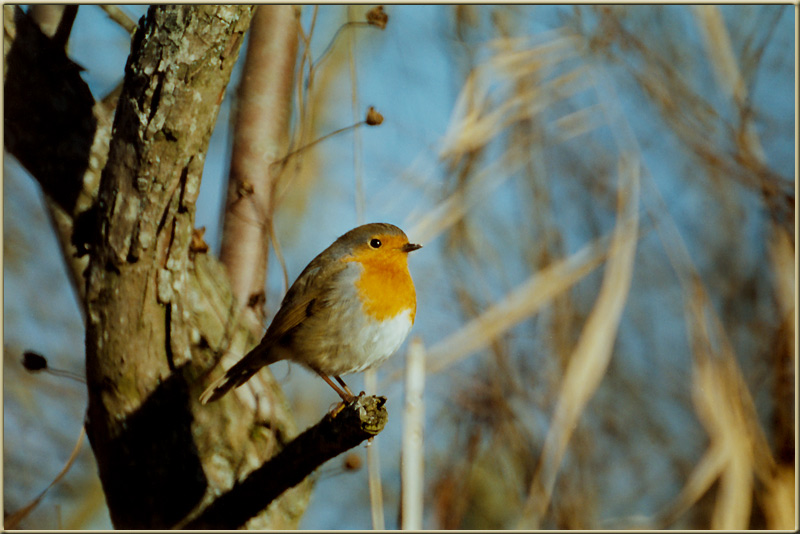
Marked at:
<point>349,310</point>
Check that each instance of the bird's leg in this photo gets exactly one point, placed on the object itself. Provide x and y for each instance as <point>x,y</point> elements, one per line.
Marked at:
<point>347,396</point>
<point>347,389</point>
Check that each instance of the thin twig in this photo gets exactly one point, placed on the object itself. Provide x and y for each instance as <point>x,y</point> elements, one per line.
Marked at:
<point>12,521</point>
<point>276,246</point>
<point>286,158</point>
<point>357,146</point>
<point>302,91</point>
<point>326,52</point>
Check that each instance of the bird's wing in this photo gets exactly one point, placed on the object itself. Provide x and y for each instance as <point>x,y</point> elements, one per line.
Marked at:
<point>308,293</point>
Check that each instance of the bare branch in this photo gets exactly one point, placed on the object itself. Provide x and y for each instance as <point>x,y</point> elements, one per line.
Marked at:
<point>332,436</point>
<point>261,137</point>
<point>119,16</point>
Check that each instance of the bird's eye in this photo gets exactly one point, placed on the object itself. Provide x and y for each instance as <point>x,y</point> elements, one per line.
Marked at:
<point>375,243</point>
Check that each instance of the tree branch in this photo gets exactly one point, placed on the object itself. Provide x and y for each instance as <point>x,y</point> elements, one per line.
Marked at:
<point>359,421</point>
<point>261,137</point>
<point>120,17</point>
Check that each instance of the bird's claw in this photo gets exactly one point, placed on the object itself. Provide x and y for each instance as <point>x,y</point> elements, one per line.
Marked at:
<point>336,410</point>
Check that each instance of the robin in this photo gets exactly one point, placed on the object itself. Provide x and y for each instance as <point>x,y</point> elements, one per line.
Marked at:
<point>349,310</point>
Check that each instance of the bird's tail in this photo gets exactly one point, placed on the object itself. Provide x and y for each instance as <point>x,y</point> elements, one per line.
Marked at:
<point>233,378</point>
<point>237,375</point>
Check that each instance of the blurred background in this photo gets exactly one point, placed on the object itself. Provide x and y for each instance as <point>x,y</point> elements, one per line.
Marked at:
<point>606,196</point>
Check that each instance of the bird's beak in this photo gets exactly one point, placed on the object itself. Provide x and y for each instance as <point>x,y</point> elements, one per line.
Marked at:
<point>410,247</point>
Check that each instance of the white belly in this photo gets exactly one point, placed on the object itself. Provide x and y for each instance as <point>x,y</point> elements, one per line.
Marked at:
<point>360,344</point>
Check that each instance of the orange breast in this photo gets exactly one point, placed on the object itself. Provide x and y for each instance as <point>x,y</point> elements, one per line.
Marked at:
<point>385,286</point>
